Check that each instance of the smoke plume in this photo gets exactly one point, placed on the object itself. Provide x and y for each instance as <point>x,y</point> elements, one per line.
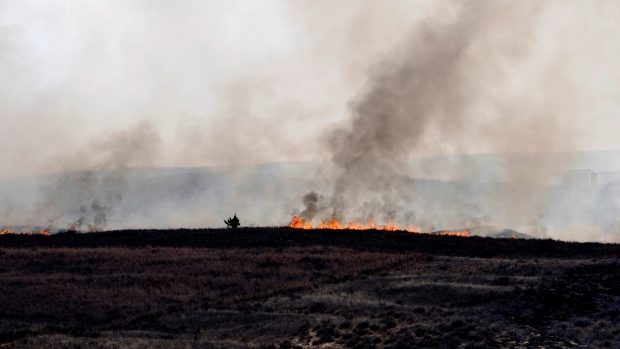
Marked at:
<point>439,91</point>
<point>91,183</point>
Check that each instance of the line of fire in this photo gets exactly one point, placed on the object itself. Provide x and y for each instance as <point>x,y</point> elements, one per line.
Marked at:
<point>334,224</point>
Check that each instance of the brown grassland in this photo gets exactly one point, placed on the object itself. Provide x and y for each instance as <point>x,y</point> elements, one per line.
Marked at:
<point>282,288</point>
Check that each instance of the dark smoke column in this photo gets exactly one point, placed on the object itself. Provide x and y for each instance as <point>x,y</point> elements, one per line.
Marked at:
<point>423,89</point>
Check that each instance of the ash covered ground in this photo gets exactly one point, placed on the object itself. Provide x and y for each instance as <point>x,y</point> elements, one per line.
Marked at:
<point>286,288</point>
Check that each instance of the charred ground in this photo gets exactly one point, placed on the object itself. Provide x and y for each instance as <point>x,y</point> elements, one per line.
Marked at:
<point>280,287</point>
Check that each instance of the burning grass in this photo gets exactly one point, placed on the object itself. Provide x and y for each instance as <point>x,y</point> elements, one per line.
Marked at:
<point>334,224</point>
<point>9,231</point>
<point>298,222</point>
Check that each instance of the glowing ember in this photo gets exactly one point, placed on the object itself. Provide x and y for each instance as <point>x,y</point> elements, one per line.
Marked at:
<point>6,231</point>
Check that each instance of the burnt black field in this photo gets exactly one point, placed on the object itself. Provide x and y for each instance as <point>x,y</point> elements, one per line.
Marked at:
<point>285,288</point>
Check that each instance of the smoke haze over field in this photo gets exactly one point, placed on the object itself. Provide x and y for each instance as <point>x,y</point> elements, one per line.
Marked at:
<point>396,106</point>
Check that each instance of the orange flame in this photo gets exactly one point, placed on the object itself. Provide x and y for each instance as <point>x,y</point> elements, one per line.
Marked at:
<point>391,227</point>
<point>355,226</point>
<point>334,224</point>
<point>299,223</point>
<point>9,231</point>
<point>462,233</point>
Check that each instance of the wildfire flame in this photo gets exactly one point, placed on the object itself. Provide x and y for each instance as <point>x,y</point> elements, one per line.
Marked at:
<point>298,222</point>
<point>462,233</point>
<point>334,224</point>
<point>9,231</point>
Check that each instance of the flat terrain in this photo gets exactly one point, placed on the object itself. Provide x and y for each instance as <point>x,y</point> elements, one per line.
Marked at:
<point>284,288</point>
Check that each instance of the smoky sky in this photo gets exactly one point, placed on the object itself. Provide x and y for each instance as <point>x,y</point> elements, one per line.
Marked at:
<point>90,184</point>
<point>279,72</point>
<point>439,91</point>
<point>365,90</point>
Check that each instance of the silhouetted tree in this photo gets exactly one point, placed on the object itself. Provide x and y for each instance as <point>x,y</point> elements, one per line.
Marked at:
<point>232,222</point>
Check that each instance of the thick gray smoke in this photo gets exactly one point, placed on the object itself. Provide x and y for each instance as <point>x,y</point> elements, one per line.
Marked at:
<point>439,92</point>
<point>311,206</point>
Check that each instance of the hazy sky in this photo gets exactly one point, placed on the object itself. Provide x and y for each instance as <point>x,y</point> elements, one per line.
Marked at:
<point>251,81</point>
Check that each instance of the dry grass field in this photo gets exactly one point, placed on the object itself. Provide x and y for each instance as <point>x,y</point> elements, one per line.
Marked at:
<point>278,288</point>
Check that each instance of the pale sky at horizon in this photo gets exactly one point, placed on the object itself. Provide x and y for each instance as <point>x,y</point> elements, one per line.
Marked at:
<point>278,72</point>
